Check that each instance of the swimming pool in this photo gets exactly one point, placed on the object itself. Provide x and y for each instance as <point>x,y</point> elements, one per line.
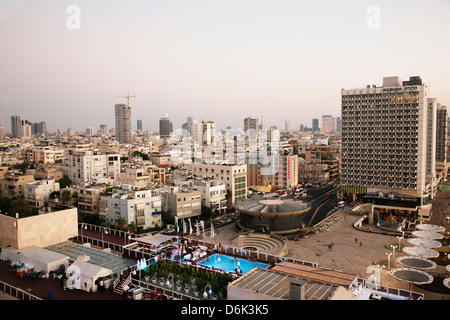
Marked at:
<point>227,263</point>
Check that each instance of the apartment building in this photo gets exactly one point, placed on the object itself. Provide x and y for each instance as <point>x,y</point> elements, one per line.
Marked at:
<point>37,192</point>
<point>233,176</point>
<point>13,184</point>
<point>313,172</point>
<point>48,173</point>
<point>324,154</point>
<point>134,175</point>
<point>134,205</point>
<point>286,174</point>
<point>384,145</point>
<point>46,155</point>
<point>87,165</point>
<point>89,199</point>
<point>213,193</point>
<point>182,203</point>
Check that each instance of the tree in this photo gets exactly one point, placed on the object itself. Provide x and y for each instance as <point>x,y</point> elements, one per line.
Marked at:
<point>132,227</point>
<point>65,182</point>
<point>66,196</point>
<point>121,223</point>
<point>229,197</point>
<point>20,206</point>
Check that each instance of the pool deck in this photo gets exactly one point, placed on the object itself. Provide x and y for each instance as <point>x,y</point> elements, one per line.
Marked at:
<point>228,266</point>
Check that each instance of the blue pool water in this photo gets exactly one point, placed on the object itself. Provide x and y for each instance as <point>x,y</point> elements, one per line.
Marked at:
<point>227,263</point>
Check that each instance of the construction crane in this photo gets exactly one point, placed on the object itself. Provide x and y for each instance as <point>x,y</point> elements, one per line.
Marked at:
<point>127,97</point>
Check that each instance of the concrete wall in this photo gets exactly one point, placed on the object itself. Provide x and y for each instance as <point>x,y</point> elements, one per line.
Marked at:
<point>42,230</point>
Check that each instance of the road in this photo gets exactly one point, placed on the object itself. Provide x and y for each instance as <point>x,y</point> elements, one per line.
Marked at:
<point>321,203</point>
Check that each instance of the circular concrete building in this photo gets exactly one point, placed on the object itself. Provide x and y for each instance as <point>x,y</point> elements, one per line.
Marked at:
<point>271,215</point>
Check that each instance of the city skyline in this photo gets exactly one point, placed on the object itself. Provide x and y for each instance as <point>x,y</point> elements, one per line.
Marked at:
<point>210,61</point>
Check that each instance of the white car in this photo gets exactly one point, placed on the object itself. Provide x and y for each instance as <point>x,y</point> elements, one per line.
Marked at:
<point>341,204</point>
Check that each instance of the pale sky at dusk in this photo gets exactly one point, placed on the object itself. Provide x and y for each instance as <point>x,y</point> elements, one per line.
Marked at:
<point>219,60</point>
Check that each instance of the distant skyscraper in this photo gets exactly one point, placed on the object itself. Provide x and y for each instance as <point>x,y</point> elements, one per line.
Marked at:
<point>187,127</point>
<point>441,140</point>
<point>16,127</point>
<point>70,132</point>
<point>2,132</point>
<point>287,125</point>
<point>338,124</point>
<point>250,123</point>
<point>123,123</point>
<point>104,128</point>
<point>90,131</point>
<point>315,125</point>
<point>139,125</point>
<point>164,126</point>
<point>327,123</point>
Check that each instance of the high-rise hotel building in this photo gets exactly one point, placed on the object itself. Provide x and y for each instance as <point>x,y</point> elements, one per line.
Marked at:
<point>385,143</point>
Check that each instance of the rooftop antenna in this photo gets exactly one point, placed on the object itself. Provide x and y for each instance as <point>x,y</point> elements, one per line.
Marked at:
<point>127,97</point>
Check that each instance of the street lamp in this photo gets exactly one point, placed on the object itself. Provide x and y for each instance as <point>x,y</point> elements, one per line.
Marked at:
<point>399,242</point>
<point>393,251</point>
<point>104,231</point>
<point>389,260</point>
<point>168,282</point>
<point>205,293</point>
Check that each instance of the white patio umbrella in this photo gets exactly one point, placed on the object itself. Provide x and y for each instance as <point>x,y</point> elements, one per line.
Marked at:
<point>430,227</point>
<point>427,235</point>
<point>447,282</point>
<point>423,242</point>
<point>421,252</point>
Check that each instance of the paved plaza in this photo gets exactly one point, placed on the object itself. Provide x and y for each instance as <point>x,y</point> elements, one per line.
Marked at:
<point>353,251</point>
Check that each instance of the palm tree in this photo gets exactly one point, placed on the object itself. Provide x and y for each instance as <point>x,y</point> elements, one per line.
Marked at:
<point>121,223</point>
<point>132,227</point>
<point>229,198</point>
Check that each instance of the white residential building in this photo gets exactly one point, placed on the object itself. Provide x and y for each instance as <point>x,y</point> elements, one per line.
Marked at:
<point>134,205</point>
<point>86,165</point>
<point>38,192</point>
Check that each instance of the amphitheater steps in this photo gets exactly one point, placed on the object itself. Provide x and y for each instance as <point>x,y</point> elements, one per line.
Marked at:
<point>262,243</point>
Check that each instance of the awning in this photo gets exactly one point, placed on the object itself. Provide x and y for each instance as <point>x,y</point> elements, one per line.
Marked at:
<point>156,239</point>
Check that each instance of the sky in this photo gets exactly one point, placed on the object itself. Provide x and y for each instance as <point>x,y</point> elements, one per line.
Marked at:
<point>213,60</point>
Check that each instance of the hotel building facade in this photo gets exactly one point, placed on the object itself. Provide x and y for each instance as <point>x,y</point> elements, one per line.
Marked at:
<point>384,147</point>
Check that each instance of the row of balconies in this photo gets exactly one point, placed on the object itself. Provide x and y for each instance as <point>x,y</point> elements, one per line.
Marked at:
<point>410,186</point>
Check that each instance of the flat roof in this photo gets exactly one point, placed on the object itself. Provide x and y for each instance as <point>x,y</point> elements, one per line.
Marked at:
<point>317,274</point>
<point>99,258</point>
<point>277,285</point>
